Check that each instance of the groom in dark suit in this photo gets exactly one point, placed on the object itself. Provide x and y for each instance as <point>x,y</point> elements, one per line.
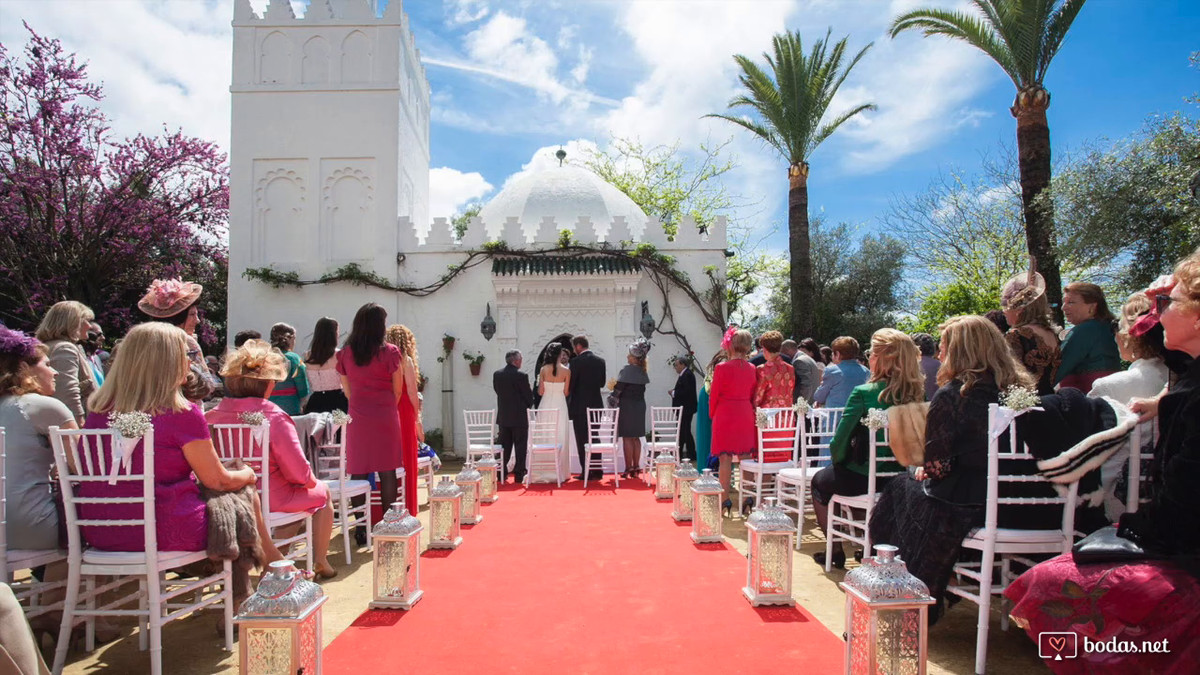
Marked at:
<point>513,398</point>
<point>587,378</point>
<point>684,396</point>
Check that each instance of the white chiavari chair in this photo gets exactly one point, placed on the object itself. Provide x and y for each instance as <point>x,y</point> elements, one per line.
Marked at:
<point>343,488</point>
<point>778,447</point>
<point>792,484</point>
<point>664,435</point>
<point>844,524</point>
<point>481,437</point>
<point>602,447</point>
<point>544,444</point>
<point>28,591</point>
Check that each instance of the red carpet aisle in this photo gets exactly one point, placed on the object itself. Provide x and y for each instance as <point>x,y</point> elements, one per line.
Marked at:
<point>559,580</point>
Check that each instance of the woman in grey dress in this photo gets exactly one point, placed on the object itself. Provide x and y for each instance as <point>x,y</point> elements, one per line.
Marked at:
<point>630,392</point>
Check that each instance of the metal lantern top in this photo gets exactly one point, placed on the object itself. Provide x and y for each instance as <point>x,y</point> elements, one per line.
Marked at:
<point>707,482</point>
<point>468,474</point>
<point>445,489</point>
<point>664,456</point>
<point>488,326</point>
<point>647,324</point>
<point>487,463</point>
<point>685,471</point>
<point>282,593</point>
<point>884,579</point>
<point>397,522</point>
<point>770,518</point>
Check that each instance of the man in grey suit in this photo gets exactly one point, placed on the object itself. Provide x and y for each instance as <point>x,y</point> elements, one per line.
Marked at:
<point>808,374</point>
<point>513,398</point>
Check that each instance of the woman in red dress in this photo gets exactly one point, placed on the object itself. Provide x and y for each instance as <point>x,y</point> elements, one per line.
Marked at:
<point>776,381</point>
<point>410,411</point>
<point>729,404</point>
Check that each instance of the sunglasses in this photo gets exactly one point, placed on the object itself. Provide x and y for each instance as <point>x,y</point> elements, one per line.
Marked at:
<point>1161,302</point>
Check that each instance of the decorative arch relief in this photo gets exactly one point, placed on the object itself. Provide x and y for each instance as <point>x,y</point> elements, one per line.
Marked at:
<point>348,214</point>
<point>314,67</point>
<point>356,58</point>
<point>278,229</point>
<point>275,59</point>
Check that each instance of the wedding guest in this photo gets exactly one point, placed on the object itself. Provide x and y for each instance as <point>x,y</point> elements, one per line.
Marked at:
<point>928,513</point>
<point>929,363</point>
<point>810,347</point>
<point>244,335</point>
<point>374,382</point>
<point>1140,342</point>
<point>761,357</point>
<point>733,431</point>
<point>1089,351</point>
<point>683,395</point>
<point>174,301</point>
<point>998,317</point>
<point>1033,336</point>
<point>320,367</point>
<point>826,354</point>
<point>27,411</point>
<point>630,393</point>
<point>146,376</point>
<point>514,398</point>
<point>1153,594</point>
<point>842,376</point>
<point>896,379</point>
<point>291,392</point>
<point>704,418</point>
<point>775,378</point>
<point>250,374</point>
<point>409,409</point>
<point>64,326</point>
<point>587,379</point>
<point>807,373</point>
<point>93,348</point>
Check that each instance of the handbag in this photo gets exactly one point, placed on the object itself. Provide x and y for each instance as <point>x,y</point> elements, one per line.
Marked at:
<point>1107,545</point>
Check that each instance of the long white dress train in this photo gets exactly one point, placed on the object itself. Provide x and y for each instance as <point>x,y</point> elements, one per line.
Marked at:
<point>555,398</point>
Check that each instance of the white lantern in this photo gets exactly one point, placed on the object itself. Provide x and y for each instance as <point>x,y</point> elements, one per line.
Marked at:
<point>886,607</point>
<point>280,625</point>
<point>706,499</point>
<point>396,560</point>
<point>471,482</point>
<point>681,505</point>
<point>489,468</point>
<point>769,562</point>
<point>664,475</point>
<point>445,503</point>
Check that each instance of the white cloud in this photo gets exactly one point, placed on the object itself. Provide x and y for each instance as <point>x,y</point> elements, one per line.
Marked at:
<point>450,190</point>
<point>506,45</point>
<point>468,11</point>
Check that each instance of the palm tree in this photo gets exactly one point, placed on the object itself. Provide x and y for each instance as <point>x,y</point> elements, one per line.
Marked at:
<point>1022,37</point>
<point>790,105</point>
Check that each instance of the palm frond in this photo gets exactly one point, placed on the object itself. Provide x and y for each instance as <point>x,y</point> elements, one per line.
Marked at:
<point>832,125</point>
<point>764,134</point>
<point>1056,31</point>
<point>980,34</point>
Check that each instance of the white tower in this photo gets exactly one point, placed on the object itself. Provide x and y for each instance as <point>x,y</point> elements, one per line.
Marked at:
<point>330,146</point>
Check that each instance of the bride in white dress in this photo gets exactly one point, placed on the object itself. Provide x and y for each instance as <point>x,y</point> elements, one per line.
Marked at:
<point>554,383</point>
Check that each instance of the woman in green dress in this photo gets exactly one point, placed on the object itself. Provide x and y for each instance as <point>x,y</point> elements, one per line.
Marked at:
<point>290,393</point>
<point>703,420</point>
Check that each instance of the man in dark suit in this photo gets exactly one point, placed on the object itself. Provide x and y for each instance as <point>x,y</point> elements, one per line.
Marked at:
<point>587,378</point>
<point>513,398</point>
<point>684,396</point>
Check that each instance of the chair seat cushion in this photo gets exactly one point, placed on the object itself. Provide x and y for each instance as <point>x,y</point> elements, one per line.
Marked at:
<point>282,518</point>
<point>166,559</point>
<point>423,462</point>
<point>20,559</point>
<point>792,474</point>
<point>1010,536</point>
<point>857,501</point>
<point>770,467</point>
<point>600,447</point>
<point>352,487</point>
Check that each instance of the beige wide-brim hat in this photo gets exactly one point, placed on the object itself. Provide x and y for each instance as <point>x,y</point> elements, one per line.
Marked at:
<point>257,360</point>
<point>167,297</point>
<point>1022,290</point>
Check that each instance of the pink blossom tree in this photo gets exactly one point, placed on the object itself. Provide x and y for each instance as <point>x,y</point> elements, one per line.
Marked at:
<point>86,217</point>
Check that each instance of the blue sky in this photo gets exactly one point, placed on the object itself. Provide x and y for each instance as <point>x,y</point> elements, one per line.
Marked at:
<point>510,78</point>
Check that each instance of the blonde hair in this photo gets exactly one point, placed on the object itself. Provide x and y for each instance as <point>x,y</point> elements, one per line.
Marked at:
<point>1139,347</point>
<point>401,336</point>
<point>62,320</point>
<point>256,359</point>
<point>146,373</point>
<point>898,363</point>
<point>974,347</point>
<point>1187,277</point>
<point>741,342</point>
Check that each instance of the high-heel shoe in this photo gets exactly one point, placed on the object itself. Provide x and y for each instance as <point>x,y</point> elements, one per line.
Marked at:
<point>727,507</point>
<point>839,559</point>
<point>747,506</point>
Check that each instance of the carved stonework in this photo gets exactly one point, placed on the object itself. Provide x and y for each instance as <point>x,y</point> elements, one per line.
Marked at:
<point>356,58</point>
<point>280,195</point>
<point>275,59</point>
<point>347,211</point>
<point>314,67</point>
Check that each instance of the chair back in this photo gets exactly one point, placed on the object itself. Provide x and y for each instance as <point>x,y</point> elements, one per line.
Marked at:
<point>252,445</point>
<point>481,428</point>
<point>88,462</point>
<point>879,451</point>
<point>998,452</point>
<point>333,466</point>
<point>543,426</point>
<point>818,433</point>
<point>664,424</point>
<point>602,426</point>
<point>779,440</point>
<point>1144,436</point>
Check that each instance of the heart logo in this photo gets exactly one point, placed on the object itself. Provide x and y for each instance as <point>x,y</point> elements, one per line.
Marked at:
<point>1058,643</point>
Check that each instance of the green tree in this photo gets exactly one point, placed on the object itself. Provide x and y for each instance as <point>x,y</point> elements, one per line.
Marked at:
<point>1022,37</point>
<point>463,219</point>
<point>856,288</point>
<point>940,302</point>
<point>789,107</point>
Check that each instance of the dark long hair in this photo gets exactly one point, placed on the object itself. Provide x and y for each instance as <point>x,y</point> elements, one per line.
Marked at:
<point>552,353</point>
<point>324,341</point>
<point>366,333</point>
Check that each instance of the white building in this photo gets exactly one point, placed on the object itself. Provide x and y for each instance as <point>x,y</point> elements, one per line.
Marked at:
<point>329,165</point>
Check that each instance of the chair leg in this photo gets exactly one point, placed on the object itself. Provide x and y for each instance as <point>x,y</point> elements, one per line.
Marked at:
<point>155,602</point>
<point>1005,577</point>
<point>68,618</point>
<point>986,567</point>
<point>829,529</point>
<point>344,519</point>
<point>143,620</point>
<point>228,594</point>
<point>308,542</point>
<point>89,630</point>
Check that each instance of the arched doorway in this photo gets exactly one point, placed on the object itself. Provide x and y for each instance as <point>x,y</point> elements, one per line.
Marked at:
<point>561,338</point>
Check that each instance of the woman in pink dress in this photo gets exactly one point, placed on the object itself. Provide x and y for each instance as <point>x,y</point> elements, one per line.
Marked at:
<point>409,409</point>
<point>373,381</point>
<point>250,374</point>
<point>729,404</point>
<point>146,375</point>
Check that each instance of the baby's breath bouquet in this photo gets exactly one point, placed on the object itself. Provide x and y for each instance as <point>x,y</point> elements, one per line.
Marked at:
<point>875,419</point>
<point>252,417</point>
<point>340,417</point>
<point>802,407</point>
<point>1019,398</point>
<point>130,428</point>
<point>760,419</point>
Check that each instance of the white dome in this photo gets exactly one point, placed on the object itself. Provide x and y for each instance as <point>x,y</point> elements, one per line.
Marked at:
<point>563,193</point>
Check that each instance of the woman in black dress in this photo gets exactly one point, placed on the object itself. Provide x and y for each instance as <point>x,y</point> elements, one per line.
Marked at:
<point>630,392</point>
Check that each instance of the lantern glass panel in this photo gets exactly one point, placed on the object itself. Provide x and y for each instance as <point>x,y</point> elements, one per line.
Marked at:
<point>391,571</point>
<point>489,483</point>
<point>469,504</point>
<point>860,637</point>
<point>898,641</point>
<point>772,568</point>
<point>310,642</point>
<point>708,513</point>
<point>268,650</point>
<point>666,479</point>
<point>410,578</point>
<point>685,497</point>
<point>440,518</point>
